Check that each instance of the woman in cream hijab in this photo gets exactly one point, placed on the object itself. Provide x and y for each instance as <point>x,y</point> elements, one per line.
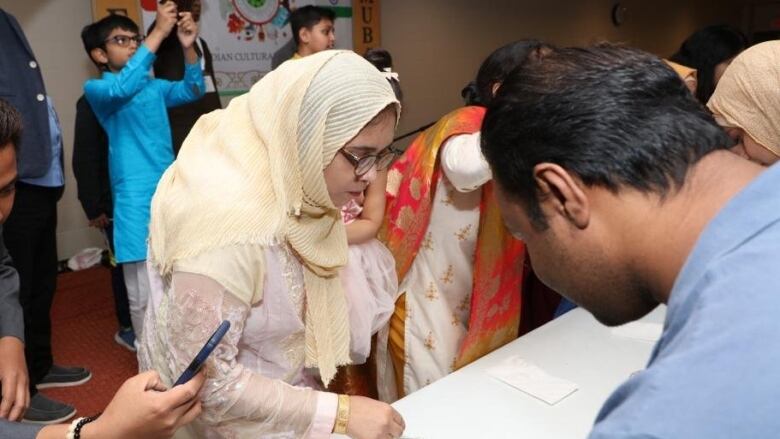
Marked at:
<point>246,227</point>
<point>747,103</point>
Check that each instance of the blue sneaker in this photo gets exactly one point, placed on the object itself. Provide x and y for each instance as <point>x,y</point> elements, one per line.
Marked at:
<point>125,337</point>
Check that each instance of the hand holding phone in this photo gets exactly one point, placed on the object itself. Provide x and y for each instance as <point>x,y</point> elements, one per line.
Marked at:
<point>204,353</point>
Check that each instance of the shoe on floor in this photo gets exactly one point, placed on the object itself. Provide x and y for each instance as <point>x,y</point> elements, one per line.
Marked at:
<point>125,337</point>
<point>60,376</point>
<point>43,410</point>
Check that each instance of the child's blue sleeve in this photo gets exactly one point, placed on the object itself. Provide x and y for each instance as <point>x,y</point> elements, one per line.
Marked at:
<point>192,87</point>
<point>106,95</point>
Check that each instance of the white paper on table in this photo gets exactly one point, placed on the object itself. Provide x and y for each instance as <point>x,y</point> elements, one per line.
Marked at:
<point>532,380</point>
<point>640,331</point>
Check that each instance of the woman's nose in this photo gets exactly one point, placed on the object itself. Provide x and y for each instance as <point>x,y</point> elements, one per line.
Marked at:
<point>369,176</point>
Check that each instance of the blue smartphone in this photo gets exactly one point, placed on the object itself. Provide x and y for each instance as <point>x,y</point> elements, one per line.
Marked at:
<point>204,353</point>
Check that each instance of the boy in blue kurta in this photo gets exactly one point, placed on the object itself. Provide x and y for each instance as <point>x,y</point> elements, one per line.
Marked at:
<point>131,107</point>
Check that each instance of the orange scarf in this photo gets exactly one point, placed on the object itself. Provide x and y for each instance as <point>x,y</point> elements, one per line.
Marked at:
<point>498,264</point>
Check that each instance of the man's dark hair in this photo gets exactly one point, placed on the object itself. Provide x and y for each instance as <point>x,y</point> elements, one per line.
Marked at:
<point>308,17</point>
<point>613,116</point>
<point>705,49</point>
<point>497,66</point>
<point>10,125</point>
<point>94,35</point>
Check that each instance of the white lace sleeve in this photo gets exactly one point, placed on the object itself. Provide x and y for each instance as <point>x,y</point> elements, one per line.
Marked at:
<point>236,401</point>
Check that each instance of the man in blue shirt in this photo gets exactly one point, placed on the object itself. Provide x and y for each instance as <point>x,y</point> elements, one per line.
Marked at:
<point>622,188</point>
<point>30,230</point>
<point>131,107</point>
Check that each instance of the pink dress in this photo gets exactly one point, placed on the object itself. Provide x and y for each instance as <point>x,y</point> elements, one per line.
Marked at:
<point>370,285</point>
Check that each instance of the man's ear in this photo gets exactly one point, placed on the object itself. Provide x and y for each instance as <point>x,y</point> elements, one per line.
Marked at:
<point>99,56</point>
<point>561,194</point>
<point>304,35</point>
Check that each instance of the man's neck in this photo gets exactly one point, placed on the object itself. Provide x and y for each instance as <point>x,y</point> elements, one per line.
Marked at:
<point>667,232</point>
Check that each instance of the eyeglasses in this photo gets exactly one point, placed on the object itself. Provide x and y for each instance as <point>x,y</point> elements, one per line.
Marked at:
<point>364,164</point>
<point>124,40</point>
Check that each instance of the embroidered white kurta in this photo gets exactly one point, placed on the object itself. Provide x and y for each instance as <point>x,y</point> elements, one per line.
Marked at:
<point>439,283</point>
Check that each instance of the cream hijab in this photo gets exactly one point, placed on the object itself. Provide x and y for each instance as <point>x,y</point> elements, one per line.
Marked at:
<point>253,174</point>
<point>748,94</point>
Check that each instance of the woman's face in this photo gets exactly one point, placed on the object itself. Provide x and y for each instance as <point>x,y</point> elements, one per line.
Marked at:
<point>343,184</point>
<point>750,149</point>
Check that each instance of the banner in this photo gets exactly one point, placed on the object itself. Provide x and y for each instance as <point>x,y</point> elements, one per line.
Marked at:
<point>128,8</point>
<point>248,38</point>
<point>366,25</point>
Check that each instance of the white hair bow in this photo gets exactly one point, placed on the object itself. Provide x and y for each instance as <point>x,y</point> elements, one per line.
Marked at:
<point>390,74</point>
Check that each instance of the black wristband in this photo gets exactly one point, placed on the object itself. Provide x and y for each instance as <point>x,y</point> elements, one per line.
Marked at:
<point>81,424</point>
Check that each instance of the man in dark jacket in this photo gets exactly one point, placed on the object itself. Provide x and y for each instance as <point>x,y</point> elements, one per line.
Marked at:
<point>30,231</point>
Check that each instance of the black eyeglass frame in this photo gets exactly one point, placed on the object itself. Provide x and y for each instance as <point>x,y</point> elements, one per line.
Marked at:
<point>363,164</point>
<point>115,39</point>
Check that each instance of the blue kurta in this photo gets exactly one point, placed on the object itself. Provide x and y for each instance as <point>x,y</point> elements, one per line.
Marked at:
<point>131,106</point>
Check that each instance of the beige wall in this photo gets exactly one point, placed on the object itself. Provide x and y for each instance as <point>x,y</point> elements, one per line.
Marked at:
<point>437,46</point>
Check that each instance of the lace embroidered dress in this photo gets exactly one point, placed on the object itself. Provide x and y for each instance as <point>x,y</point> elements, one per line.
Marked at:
<point>371,286</point>
<point>257,385</point>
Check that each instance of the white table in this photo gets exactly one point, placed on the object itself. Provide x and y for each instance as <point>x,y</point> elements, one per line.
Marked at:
<point>471,404</point>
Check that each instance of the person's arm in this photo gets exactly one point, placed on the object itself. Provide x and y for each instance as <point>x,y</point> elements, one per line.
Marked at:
<point>141,408</point>
<point>13,369</point>
<point>463,163</point>
<point>233,393</point>
<point>367,225</point>
<point>236,397</point>
<point>192,86</point>
<point>106,95</point>
<point>90,163</point>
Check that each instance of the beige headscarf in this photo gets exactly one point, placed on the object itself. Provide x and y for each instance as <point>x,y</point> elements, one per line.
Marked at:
<point>253,174</point>
<point>748,94</point>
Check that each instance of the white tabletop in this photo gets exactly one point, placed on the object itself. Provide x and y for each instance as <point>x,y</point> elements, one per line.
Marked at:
<point>471,404</point>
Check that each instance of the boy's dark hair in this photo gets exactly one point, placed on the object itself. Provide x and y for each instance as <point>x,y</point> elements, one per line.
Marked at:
<point>613,116</point>
<point>497,66</point>
<point>308,17</point>
<point>10,125</point>
<point>94,35</point>
<point>705,49</point>
<point>381,59</point>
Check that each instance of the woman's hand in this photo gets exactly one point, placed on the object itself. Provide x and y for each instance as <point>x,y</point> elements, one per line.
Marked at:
<point>371,419</point>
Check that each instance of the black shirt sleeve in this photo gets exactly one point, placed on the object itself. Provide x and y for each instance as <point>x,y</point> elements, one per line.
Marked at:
<point>90,162</point>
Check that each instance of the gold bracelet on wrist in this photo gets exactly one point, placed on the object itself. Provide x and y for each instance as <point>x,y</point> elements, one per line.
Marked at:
<point>342,415</point>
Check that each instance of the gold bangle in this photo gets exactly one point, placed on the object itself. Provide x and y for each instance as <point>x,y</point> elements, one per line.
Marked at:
<point>342,415</point>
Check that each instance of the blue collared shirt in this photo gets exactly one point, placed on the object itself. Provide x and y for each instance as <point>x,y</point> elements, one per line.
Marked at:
<point>715,372</point>
<point>54,176</point>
